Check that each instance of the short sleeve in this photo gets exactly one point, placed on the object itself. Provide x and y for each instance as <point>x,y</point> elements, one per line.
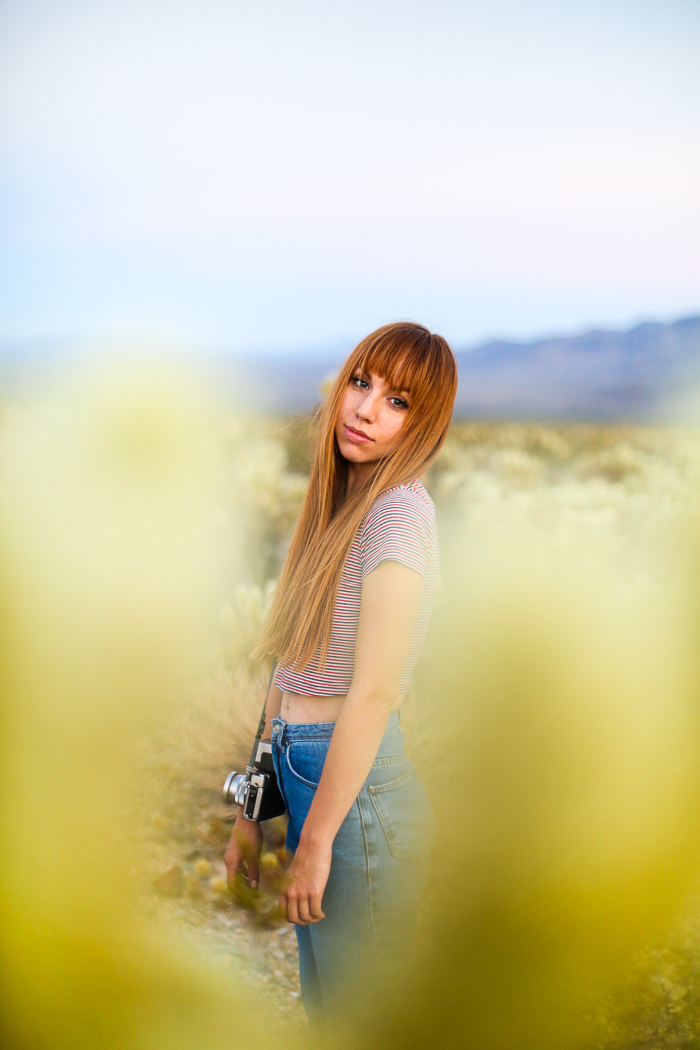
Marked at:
<point>399,526</point>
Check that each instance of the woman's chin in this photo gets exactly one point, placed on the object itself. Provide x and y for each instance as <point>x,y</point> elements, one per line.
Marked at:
<point>355,453</point>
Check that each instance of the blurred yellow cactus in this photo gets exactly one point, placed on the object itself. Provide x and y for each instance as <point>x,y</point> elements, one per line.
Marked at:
<point>108,575</point>
<point>555,719</point>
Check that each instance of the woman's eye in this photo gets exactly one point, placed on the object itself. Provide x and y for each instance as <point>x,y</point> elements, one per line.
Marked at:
<point>399,402</point>
<point>357,380</point>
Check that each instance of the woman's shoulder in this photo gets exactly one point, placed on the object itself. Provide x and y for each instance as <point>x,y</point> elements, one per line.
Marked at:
<point>400,524</point>
<point>411,494</point>
<point>408,503</point>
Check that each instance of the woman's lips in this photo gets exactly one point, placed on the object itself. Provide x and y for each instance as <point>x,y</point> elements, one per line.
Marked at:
<point>357,436</point>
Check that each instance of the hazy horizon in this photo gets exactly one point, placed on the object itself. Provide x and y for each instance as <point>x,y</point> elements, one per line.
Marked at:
<point>320,351</point>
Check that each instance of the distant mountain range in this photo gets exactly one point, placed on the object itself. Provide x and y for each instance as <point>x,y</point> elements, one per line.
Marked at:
<point>597,375</point>
<point>600,375</point>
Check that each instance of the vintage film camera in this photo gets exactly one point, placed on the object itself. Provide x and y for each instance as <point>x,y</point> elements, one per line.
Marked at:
<point>256,790</point>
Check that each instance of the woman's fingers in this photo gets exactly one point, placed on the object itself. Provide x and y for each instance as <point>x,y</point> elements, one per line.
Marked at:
<point>315,908</point>
<point>301,909</point>
<point>253,864</point>
<point>293,911</point>
<point>244,848</point>
<point>232,860</point>
<point>302,890</point>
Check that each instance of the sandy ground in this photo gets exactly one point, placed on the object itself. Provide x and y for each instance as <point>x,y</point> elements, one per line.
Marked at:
<point>180,845</point>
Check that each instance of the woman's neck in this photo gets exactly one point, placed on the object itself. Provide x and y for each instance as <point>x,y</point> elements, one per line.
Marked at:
<point>358,474</point>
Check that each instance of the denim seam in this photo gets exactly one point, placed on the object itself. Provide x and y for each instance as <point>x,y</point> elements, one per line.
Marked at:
<point>293,739</point>
<point>369,878</point>
<point>291,729</point>
<point>398,852</point>
<point>304,725</point>
<point>379,789</point>
<point>378,763</point>
<point>309,737</point>
<point>292,770</point>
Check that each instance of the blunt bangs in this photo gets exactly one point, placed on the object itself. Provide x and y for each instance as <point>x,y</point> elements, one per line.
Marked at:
<point>409,358</point>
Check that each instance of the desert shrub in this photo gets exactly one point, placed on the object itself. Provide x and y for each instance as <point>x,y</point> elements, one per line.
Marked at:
<point>557,701</point>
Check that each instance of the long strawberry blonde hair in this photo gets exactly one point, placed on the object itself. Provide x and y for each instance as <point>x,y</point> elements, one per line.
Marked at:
<point>408,357</point>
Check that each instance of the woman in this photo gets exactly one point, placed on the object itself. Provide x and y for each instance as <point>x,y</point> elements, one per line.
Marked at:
<point>348,621</point>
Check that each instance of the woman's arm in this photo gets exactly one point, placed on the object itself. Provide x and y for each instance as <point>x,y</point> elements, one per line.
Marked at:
<point>246,838</point>
<point>389,606</point>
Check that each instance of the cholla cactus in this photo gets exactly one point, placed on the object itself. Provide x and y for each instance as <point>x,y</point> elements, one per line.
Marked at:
<point>108,575</point>
<point>263,501</point>
<point>242,617</point>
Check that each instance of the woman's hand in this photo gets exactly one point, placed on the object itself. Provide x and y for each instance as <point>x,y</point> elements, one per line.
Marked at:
<point>304,883</point>
<point>244,848</point>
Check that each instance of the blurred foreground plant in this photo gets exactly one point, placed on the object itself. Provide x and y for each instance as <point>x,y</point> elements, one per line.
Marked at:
<point>565,735</point>
<point>558,733</point>
<point>555,725</point>
<point>108,573</point>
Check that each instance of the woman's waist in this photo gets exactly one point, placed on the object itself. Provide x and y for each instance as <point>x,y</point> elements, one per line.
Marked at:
<point>285,733</point>
<point>305,708</point>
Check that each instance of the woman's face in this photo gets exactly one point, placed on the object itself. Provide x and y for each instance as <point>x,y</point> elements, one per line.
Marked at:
<point>370,418</point>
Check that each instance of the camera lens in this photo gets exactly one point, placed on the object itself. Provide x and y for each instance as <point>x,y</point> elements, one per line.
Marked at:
<point>234,789</point>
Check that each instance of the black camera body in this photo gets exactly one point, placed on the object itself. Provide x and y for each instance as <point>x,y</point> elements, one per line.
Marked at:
<point>256,790</point>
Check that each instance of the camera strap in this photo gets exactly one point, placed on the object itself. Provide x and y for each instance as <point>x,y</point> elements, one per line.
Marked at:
<point>263,719</point>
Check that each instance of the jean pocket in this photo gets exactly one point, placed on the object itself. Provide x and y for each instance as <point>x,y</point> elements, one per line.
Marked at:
<point>406,815</point>
<point>305,760</point>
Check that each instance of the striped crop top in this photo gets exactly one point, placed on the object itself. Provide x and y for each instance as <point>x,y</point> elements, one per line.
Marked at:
<point>399,525</point>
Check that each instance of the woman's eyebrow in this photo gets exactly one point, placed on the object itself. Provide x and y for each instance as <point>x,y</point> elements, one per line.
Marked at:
<point>366,374</point>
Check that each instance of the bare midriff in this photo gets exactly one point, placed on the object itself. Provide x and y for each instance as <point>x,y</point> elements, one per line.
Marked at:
<point>298,708</point>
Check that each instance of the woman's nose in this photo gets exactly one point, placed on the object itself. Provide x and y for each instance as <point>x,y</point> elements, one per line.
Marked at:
<point>367,408</point>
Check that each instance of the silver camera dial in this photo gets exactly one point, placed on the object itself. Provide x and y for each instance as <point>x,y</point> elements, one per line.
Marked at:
<point>234,789</point>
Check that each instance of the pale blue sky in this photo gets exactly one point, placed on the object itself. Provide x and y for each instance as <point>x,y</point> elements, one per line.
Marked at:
<point>279,175</point>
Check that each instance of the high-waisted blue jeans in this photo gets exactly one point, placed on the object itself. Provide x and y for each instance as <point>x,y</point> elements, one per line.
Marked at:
<point>378,868</point>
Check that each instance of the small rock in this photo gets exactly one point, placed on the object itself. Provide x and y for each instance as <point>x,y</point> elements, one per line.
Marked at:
<point>171,883</point>
<point>193,888</point>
